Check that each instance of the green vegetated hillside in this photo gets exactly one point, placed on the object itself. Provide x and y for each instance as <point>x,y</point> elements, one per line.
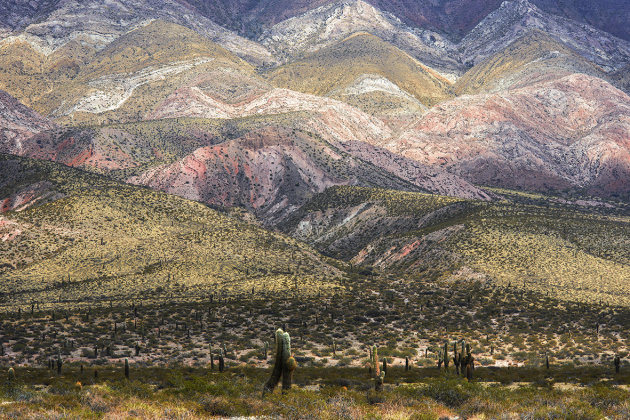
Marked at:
<point>95,239</point>
<point>570,251</point>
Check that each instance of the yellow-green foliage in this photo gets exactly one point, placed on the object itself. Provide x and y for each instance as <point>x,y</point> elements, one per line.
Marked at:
<point>147,238</point>
<point>529,240</point>
<point>338,66</point>
<point>527,55</point>
<point>74,71</point>
<point>396,202</point>
<point>572,255</point>
<point>183,392</point>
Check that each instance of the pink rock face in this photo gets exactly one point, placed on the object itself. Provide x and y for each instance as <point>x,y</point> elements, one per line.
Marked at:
<point>273,170</point>
<point>573,132</point>
<point>267,171</point>
<point>18,124</point>
<point>26,197</point>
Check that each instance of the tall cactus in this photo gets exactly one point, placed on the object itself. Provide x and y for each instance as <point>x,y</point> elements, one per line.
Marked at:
<point>446,360</point>
<point>289,363</point>
<point>462,358</point>
<point>221,360</point>
<point>127,368</point>
<point>379,376</point>
<point>284,364</point>
<point>456,358</point>
<point>547,360</point>
<point>469,362</point>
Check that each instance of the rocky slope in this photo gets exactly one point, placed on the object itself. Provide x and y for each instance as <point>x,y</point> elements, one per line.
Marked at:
<point>18,124</point>
<point>556,246</point>
<point>567,133</point>
<point>454,18</point>
<point>122,81</point>
<point>326,25</point>
<point>608,15</point>
<point>96,24</point>
<point>274,170</point>
<point>15,14</point>
<point>515,18</point>
<point>271,171</point>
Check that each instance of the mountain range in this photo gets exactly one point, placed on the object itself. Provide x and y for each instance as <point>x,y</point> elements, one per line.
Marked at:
<point>263,104</point>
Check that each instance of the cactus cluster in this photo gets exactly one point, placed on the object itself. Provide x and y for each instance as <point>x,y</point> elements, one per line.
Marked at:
<point>284,364</point>
<point>464,361</point>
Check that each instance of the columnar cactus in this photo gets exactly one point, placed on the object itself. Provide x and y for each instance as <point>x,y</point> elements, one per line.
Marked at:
<point>462,356</point>
<point>284,364</point>
<point>379,377</point>
<point>547,360</point>
<point>266,349</point>
<point>221,360</point>
<point>617,363</point>
<point>456,358</point>
<point>127,368</point>
<point>446,360</point>
<point>59,365</point>
<point>469,362</point>
<point>11,374</point>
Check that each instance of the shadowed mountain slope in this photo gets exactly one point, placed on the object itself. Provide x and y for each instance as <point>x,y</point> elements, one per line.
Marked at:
<point>18,124</point>
<point>516,18</point>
